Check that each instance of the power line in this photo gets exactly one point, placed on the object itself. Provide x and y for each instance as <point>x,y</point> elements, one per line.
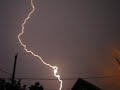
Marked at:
<point>44,79</point>
<point>96,77</point>
<point>1,70</point>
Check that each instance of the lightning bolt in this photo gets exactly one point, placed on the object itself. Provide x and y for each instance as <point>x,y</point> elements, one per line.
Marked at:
<point>55,68</point>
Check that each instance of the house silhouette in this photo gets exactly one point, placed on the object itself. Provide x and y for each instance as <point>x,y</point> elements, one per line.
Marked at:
<point>84,85</point>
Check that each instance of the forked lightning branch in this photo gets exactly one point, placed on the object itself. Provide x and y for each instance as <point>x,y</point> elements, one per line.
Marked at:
<point>55,68</point>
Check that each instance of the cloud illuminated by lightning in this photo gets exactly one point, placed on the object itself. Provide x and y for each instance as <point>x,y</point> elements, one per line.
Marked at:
<point>55,68</point>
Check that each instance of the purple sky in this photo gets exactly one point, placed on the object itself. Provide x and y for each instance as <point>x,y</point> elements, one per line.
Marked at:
<point>76,35</point>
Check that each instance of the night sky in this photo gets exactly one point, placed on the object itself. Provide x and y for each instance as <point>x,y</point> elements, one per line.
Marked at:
<point>76,35</point>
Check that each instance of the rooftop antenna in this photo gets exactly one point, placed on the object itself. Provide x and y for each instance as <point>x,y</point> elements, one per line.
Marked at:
<point>117,60</point>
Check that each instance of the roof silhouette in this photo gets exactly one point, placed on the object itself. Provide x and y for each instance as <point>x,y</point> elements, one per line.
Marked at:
<point>84,85</point>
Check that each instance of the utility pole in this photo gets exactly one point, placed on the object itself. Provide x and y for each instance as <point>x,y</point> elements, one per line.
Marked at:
<point>14,68</point>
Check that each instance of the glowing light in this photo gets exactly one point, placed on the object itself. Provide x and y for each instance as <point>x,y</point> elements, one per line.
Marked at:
<point>115,52</point>
<point>55,68</point>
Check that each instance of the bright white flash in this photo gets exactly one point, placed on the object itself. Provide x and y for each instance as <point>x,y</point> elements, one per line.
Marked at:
<point>55,68</point>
